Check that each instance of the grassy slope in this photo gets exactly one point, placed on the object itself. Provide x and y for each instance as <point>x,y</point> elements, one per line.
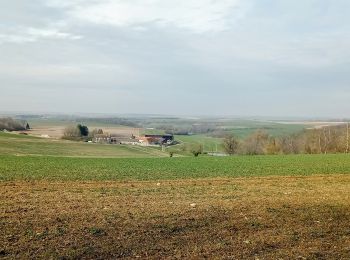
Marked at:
<point>13,144</point>
<point>60,168</point>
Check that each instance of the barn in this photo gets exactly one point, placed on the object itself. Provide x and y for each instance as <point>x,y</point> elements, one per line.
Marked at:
<point>156,139</point>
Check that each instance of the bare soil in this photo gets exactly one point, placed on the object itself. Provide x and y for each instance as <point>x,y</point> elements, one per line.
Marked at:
<point>243,218</point>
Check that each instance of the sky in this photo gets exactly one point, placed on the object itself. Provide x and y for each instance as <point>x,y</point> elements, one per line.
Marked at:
<point>186,57</point>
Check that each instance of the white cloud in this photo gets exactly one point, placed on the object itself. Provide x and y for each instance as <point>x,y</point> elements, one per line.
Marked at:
<point>214,49</point>
<point>51,33</point>
<point>195,15</point>
<point>31,34</point>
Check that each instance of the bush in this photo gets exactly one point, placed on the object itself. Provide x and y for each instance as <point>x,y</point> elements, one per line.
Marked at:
<point>196,153</point>
<point>83,129</point>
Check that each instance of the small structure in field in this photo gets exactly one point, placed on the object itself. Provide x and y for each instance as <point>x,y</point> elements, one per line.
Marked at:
<point>166,139</point>
<point>146,140</point>
<point>106,139</point>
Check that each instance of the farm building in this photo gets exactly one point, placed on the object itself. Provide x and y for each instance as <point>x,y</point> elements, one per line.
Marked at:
<point>142,140</point>
<point>106,139</point>
<point>156,139</point>
<point>115,139</point>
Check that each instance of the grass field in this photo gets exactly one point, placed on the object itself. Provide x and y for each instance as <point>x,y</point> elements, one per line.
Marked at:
<point>209,144</point>
<point>273,129</point>
<point>14,144</point>
<point>105,169</point>
<point>68,202</point>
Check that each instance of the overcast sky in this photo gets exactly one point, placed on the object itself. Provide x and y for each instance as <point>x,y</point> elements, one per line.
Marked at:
<point>185,57</point>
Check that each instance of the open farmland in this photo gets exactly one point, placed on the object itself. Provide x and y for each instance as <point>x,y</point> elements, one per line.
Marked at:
<point>124,169</point>
<point>69,202</point>
<point>21,145</point>
<point>175,129</point>
<point>208,143</point>
<point>55,128</point>
<point>259,217</point>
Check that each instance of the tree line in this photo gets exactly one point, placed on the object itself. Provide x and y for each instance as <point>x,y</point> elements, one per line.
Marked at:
<point>10,124</point>
<point>78,132</point>
<point>330,139</point>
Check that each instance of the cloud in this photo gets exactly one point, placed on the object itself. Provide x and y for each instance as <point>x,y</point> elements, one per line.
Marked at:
<point>197,16</point>
<point>31,34</point>
<point>201,51</point>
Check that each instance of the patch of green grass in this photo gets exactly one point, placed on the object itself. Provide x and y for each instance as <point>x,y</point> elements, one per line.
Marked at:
<point>246,128</point>
<point>13,136</point>
<point>209,144</point>
<point>65,168</point>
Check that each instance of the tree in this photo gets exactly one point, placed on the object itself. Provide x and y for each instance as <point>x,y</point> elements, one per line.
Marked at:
<point>272,146</point>
<point>231,144</point>
<point>76,132</point>
<point>11,124</point>
<point>84,130</point>
<point>347,138</point>
<point>290,144</point>
<point>196,149</point>
<point>95,132</point>
<point>71,132</point>
<point>256,143</point>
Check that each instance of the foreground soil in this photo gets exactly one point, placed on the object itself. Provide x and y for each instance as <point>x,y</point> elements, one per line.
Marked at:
<point>250,218</point>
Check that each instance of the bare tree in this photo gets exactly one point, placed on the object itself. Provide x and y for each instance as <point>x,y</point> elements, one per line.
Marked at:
<point>347,138</point>
<point>71,132</point>
<point>95,132</point>
<point>326,139</point>
<point>273,146</point>
<point>231,144</point>
<point>256,143</point>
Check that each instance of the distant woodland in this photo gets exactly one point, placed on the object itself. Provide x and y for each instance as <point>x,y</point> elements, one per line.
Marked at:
<point>11,124</point>
<point>332,139</point>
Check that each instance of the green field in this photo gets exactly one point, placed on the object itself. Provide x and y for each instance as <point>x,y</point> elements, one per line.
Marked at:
<point>26,157</point>
<point>273,129</point>
<point>187,142</point>
<point>61,168</point>
<point>28,145</point>
<point>239,127</point>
